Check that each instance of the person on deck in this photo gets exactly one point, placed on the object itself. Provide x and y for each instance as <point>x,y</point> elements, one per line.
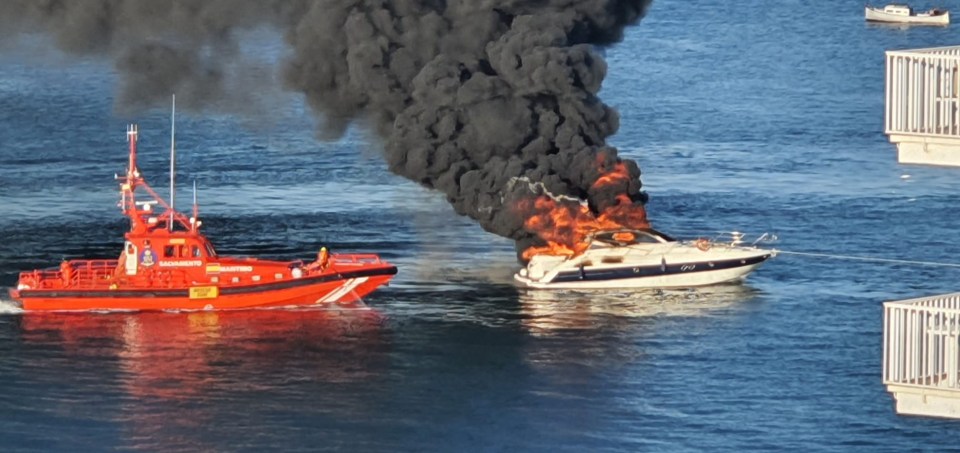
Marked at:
<point>66,272</point>
<point>323,258</point>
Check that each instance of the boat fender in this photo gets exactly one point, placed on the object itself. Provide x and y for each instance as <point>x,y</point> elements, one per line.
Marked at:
<point>703,244</point>
<point>296,272</point>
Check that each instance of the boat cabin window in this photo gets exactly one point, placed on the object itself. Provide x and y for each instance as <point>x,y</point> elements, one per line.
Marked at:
<point>178,251</point>
<point>626,237</point>
<point>647,238</point>
<point>898,9</point>
<point>195,251</point>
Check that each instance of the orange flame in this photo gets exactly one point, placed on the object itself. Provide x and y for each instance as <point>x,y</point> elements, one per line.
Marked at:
<point>624,236</point>
<point>564,225</point>
<point>619,173</point>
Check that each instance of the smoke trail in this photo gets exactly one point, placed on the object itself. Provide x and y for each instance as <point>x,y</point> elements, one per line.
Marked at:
<point>471,96</point>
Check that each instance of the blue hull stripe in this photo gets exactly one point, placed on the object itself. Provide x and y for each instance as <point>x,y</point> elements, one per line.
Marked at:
<point>656,270</point>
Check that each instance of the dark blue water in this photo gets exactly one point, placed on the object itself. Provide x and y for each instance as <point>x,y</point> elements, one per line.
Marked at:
<point>760,118</point>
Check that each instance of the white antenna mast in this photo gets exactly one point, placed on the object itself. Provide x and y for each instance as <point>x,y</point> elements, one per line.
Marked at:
<point>195,221</point>
<point>173,158</point>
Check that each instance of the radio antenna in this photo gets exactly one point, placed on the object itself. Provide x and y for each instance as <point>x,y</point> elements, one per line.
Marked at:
<point>196,208</point>
<point>173,158</point>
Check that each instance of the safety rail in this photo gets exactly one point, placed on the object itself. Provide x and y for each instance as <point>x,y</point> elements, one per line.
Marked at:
<point>355,259</point>
<point>91,273</point>
<point>87,274</point>
<point>73,274</point>
<point>920,339</point>
<point>169,278</point>
<point>39,279</point>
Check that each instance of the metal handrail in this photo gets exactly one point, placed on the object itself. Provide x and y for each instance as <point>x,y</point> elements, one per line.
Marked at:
<point>922,93</point>
<point>921,342</point>
<point>356,258</point>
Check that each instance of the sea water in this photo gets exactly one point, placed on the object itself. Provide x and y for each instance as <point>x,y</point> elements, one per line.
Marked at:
<point>763,118</point>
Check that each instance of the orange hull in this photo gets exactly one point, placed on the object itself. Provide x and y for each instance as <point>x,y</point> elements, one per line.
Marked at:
<point>348,287</point>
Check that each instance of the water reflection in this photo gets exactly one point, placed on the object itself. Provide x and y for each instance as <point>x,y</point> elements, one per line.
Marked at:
<point>548,311</point>
<point>592,340</point>
<point>902,26</point>
<point>160,351</point>
<point>170,380</point>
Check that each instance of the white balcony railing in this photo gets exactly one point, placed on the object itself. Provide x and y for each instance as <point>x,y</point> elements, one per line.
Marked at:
<point>920,339</point>
<point>923,92</point>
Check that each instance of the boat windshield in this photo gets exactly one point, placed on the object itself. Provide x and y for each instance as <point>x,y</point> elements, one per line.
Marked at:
<point>210,252</point>
<point>620,238</point>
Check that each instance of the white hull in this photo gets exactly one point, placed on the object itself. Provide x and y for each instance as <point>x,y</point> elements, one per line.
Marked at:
<point>653,261</point>
<point>666,281</point>
<point>878,15</point>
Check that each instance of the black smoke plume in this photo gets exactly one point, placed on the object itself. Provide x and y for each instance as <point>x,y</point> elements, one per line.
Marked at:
<point>489,101</point>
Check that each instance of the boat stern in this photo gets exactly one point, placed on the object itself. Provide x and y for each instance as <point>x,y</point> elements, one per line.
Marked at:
<point>15,297</point>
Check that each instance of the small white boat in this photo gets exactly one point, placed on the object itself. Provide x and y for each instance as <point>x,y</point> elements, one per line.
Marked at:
<point>903,14</point>
<point>644,259</point>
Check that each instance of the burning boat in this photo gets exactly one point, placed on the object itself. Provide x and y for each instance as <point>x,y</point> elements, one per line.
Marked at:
<point>643,258</point>
<point>168,264</point>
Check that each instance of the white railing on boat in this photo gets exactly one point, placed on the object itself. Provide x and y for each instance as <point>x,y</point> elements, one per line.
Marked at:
<point>356,259</point>
<point>922,112</point>
<point>921,354</point>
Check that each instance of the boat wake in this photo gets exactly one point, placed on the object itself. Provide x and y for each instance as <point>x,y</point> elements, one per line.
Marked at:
<point>8,307</point>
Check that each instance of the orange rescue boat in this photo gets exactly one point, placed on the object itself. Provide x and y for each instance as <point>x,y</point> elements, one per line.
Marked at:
<point>167,264</point>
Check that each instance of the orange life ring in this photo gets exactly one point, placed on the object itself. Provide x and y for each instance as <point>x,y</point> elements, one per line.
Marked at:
<point>703,244</point>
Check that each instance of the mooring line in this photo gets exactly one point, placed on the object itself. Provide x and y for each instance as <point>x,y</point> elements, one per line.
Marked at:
<point>864,258</point>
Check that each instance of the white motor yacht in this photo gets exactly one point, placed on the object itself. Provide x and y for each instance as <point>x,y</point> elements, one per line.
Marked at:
<point>644,258</point>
